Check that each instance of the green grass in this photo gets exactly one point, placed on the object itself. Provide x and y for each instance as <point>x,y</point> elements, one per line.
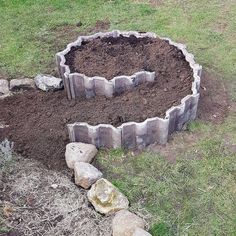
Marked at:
<point>195,195</point>
<point>28,29</point>
<point>189,197</point>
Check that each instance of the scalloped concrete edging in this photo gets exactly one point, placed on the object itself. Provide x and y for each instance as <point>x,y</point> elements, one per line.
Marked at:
<point>132,134</point>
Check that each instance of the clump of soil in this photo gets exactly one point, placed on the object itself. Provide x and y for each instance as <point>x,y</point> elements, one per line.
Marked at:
<point>110,57</point>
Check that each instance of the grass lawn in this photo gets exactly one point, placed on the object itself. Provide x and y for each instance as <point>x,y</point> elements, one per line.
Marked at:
<point>196,195</point>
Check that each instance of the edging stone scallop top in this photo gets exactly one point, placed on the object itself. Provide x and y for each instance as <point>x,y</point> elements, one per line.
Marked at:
<point>131,134</point>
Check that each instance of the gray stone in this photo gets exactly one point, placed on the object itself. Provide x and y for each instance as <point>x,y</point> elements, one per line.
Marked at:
<point>21,84</point>
<point>86,174</point>
<point>125,223</point>
<point>48,82</point>
<point>81,152</point>
<point>140,232</point>
<point>4,87</point>
<point>106,198</point>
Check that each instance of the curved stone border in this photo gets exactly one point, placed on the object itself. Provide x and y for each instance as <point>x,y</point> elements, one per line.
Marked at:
<point>80,85</point>
<point>132,134</point>
<point>102,194</point>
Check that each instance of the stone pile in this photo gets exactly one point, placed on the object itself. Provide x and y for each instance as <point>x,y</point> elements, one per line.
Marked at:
<point>103,195</point>
<point>42,82</point>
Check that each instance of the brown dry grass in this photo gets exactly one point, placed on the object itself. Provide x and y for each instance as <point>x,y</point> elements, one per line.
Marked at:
<point>31,205</point>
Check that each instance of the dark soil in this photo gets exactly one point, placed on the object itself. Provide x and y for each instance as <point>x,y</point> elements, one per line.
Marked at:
<point>37,121</point>
<point>214,103</point>
<point>109,57</point>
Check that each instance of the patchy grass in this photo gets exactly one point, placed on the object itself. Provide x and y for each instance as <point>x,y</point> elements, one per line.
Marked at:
<point>193,196</point>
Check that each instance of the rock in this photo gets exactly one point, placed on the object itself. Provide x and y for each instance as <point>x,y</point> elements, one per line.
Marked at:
<point>4,87</point>
<point>140,232</point>
<point>81,152</point>
<point>125,223</point>
<point>106,198</point>
<point>48,82</point>
<point>21,84</point>
<point>54,186</point>
<point>86,174</point>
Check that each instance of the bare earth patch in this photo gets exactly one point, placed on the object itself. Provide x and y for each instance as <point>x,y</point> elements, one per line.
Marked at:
<point>214,102</point>
<point>37,201</point>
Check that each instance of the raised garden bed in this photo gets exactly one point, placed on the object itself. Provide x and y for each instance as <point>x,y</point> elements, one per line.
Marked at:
<point>162,78</point>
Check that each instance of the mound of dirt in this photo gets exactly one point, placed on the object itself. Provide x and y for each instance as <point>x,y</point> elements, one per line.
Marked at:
<point>213,105</point>
<point>37,121</point>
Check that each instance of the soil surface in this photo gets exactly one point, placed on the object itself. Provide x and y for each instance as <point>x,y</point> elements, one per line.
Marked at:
<point>37,121</point>
<point>214,103</point>
<point>110,57</point>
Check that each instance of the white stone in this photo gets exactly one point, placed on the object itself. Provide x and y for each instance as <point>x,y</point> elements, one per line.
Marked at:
<point>54,186</point>
<point>4,87</point>
<point>48,82</point>
<point>125,223</point>
<point>106,198</point>
<point>86,174</point>
<point>140,232</point>
<point>24,84</point>
<point>81,152</point>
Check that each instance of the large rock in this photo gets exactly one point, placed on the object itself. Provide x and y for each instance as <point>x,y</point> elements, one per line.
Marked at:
<point>4,87</point>
<point>140,232</point>
<point>125,223</point>
<point>21,84</point>
<point>86,174</point>
<point>48,82</point>
<point>106,198</point>
<point>81,152</point>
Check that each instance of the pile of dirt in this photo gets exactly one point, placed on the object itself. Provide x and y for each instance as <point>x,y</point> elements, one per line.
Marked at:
<point>109,57</point>
<point>37,121</point>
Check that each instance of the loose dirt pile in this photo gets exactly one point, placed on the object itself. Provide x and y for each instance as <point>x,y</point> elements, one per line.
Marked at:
<point>37,121</point>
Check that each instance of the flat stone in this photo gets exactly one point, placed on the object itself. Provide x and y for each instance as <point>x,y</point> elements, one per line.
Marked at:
<point>21,84</point>
<point>86,174</point>
<point>106,198</point>
<point>125,223</point>
<point>140,232</point>
<point>79,152</point>
<point>48,82</point>
<point>4,87</point>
